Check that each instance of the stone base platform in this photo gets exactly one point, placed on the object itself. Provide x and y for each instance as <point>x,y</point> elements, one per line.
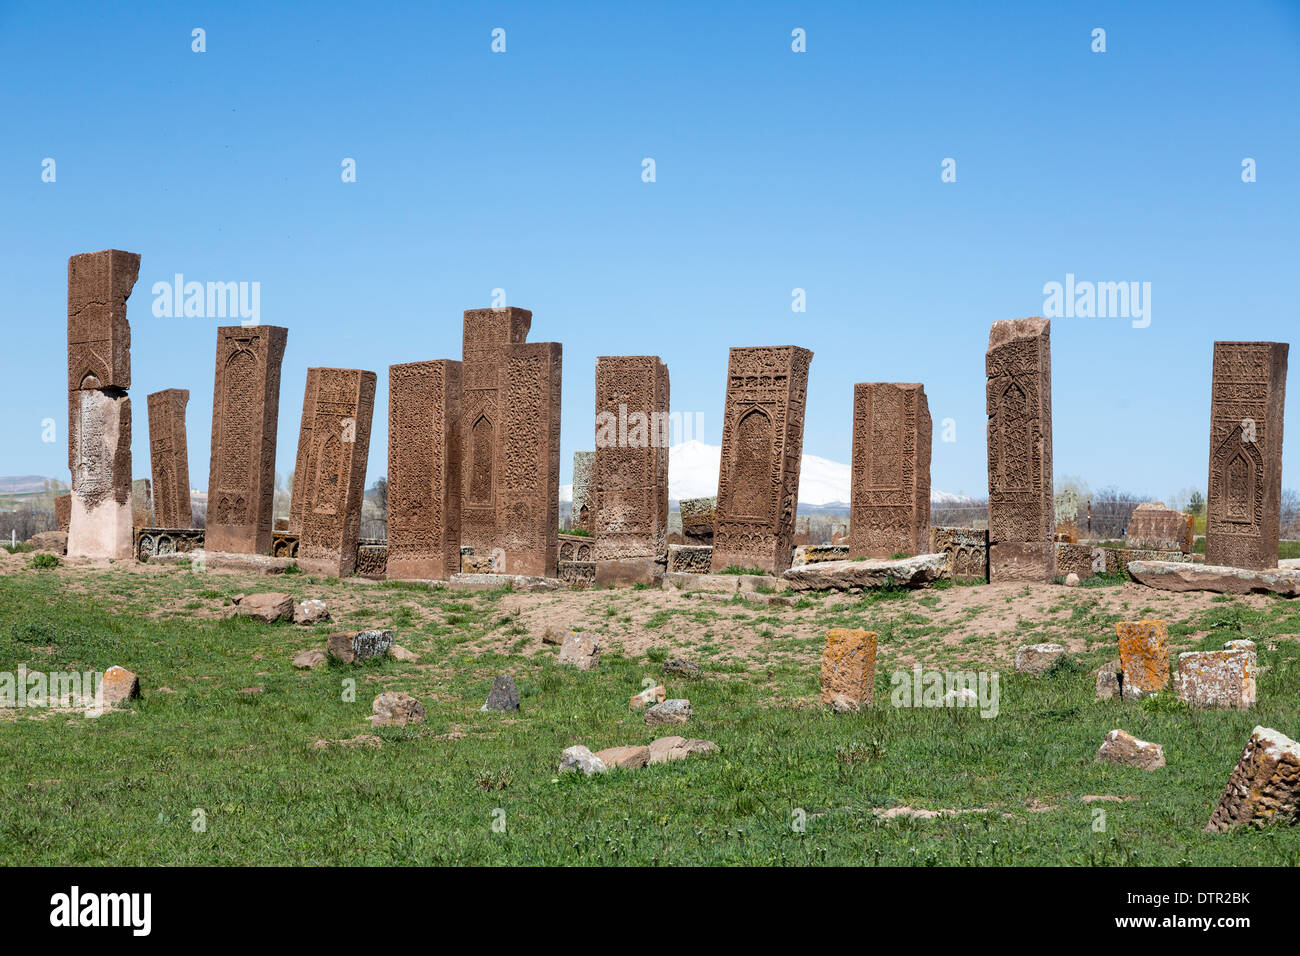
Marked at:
<point>490,582</point>
<point>1179,576</point>
<point>722,583</point>
<point>916,571</point>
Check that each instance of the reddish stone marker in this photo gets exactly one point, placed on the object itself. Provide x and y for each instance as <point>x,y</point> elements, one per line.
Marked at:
<point>631,473</point>
<point>63,510</point>
<point>245,416</point>
<point>330,476</point>
<point>1018,366</point>
<point>99,411</point>
<point>99,336</point>
<point>169,458</point>
<point>510,435</point>
<point>1244,505</point>
<point>762,446</point>
<point>424,470</point>
<point>890,510</point>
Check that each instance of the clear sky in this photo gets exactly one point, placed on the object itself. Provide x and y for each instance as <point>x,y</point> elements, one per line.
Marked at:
<point>774,170</point>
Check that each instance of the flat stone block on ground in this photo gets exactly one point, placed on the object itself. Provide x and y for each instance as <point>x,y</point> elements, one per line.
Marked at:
<point>1186,576</point>
<point>869,573</point>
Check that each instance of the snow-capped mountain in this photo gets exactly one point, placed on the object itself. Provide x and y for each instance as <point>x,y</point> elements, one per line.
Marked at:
<point>693,473</point>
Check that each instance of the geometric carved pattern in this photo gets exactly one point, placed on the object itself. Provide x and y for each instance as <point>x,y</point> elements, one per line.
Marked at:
<point>1018,367</point>
<point>1247,402</point>
<point>890,510</point>
<point>762,444</point>
<point>330,475</point>
<point>245,416</point>
<point>510,441</point>
<point>169,456</point>
<point>631,474</point>
<point>99,338</point>
<point>424,426</point>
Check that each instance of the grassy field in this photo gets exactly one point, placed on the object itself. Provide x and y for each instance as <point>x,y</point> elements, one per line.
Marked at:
<point>236,738</point>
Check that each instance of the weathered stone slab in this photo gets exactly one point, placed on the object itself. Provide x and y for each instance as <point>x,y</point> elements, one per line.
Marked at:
<point>1243,507</point>
<point>584,509</point>
<point>1078,559</point>
<point>1144,654</point>
<point>581,651</point>
<point>1188,576</point>
<point>372,560</point>
<point>63,510</point>
<point>142,504</point>
<point>510,415</point>
<point>330,474</point>
<point>245,417</point>
<point>698,517</point>
<point>1123,748</point>
<point>577,547</point>
<point>631,470</point>
<point>624,758</point>
<point>665,749</point>
<point>890,510</point>
<point>504,695</point>
<point>1264,787</point>
<point>673,711</point>
<point>424,470</point>
<point>267,607</point>
<point>99,336</point>
<point>490,582</point>
<point>762,447</point>
<point>723,583</point>
<point>1018,366</point>
<point>99,454</point>
<point>577,574</point>
<point>1154,527</point>
<point>819,553</point>
<point>1219,679</point>
<point>169,458</point>
<point>967,550</point>
<point>848,674</point>
<point>868,573</point>
<point>1037,658</point>
<point>359,645</point>
<point>690,558</point>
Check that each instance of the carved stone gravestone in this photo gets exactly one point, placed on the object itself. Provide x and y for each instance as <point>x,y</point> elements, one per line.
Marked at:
<point>330,475</point>
<point>1243,508</point>
<point>762,445</point>
<point>169,458</point>
<point>245,415</point>
<point>1018,366</point>
<point>510,460</point>
<point>631,474</point>
<point>424,469</point>
<point>584,511</point>
<point>890,509</point>
<point>99,411</point>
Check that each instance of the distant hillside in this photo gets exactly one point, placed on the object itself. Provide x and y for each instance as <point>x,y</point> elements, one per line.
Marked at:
<point>27,484</point>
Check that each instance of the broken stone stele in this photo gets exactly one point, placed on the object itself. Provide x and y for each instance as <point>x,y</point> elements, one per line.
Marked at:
<point>99,411</point>
<point>580,651</point>
<point>169,458</point>
<point>698,517</point>
<point>503,696</point>
<point>967,550</point>
<point>1123,748</point>
<point>631,470</point>
<point>1219,679</point>
<point>510,434</point>
<point>1185,576</point>
<point>762,447</point>
<point>1264,787</point>
<point>916,571</point>
<point>424,470</point>
<point>350,648</point>
<point>330,474</point>
<point>245,415</point>
<point>1037,658</point>
<point>1152,526</point>
<point>1144,654</point>
<point>1243,507</point>
<point>1018,366</point>
<point>848,674</point>
<point>890,509</point>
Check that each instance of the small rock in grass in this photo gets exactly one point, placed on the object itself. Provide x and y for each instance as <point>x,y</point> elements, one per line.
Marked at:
<point>503,696</point>
<point>647,698</point>
<point>679,748</point>
<point>1123,748</point>
<point>119,685</point>
<point>580,651</point>
<point>580,758</point>
<point>267,607</point>
<point>680,667</point>
<point>311,611</point>
<point>396,709</point>
<point>627,758</point>
<point>1037,658</point>
<point>310,660</point>
<point>676,711</point>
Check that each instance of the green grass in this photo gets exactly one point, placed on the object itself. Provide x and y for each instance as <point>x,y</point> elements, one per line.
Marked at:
<point>122,789</point>
<point>737,569</point>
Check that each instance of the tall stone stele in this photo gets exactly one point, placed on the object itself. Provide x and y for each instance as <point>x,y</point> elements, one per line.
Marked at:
<point>169,458</point>
<point>890,508</point>
<point>1022,512</point>
<point>584,509</point>
<point>245,416</point>
<point>99,411</point>
<point>510,435</point>
<point>1244,505</point>
<point>631,474</point>
<point>762,447</point>
<point>424,470</point>
<point>329,477</point>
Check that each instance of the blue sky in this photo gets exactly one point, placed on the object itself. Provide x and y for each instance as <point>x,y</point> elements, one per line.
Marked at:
<point>775,170</point>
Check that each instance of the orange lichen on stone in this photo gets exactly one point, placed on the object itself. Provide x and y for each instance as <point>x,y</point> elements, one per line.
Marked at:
<point>849,667</point>
<point>1144,654</point>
